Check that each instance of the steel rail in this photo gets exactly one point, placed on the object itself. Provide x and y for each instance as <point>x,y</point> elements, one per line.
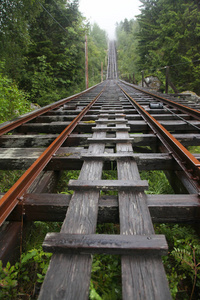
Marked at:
<point>30,116</point>
<point>189,164</point>
<point>13,196</point>
<point>185,109</point>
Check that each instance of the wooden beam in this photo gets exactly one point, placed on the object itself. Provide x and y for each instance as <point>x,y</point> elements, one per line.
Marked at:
<point>22,141</point>
<point>163,208</point>
<point>105,244</point>
<point>109,185</point>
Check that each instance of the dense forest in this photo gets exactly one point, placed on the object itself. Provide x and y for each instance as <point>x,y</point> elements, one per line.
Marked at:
<point>42,52</point>
<point>166,33</point>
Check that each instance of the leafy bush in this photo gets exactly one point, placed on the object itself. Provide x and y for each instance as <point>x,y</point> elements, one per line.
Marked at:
<point>158,183</point>
<point>183,261</point>
<point>44,89</point>
<point>62,186</point>
<point>106,278</point>
<point>13,102</point>
<point>22,278</point>
<point>8,178</point>
<point>106,270</point>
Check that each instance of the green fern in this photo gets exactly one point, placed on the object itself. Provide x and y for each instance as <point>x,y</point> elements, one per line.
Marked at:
<point>187,258</point>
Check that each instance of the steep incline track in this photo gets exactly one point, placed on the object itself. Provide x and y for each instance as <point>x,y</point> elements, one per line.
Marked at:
<point>113,125</point>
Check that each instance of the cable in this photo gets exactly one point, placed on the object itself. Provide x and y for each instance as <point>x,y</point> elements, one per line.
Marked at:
<point>52,17</point>
<point>189,62</point>
<point>61,11</point>
<point>189,123</point>
<point>162,68</point>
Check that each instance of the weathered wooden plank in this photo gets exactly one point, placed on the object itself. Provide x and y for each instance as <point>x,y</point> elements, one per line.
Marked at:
<point>113,111</point>
<point>108,156</point>
<point>22,141</point>
<point>142,277</point>
<point>22,158</point>
<point>112,121</point>
<point>112,185</point>
<point>110,140</point>
<point>174,126</point>
<point>139,126</point>
<point>174,208</point>
<point>113,129</point>
<point>105,244</point>
<point>10,236</point>
<point>68,276</point>
<point>55,127</point>
<point>163,208</point>
<point>32,141</point>
<point>188,139</point>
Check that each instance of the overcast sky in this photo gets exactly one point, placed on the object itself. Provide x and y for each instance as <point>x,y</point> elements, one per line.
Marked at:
<point>106,13</point>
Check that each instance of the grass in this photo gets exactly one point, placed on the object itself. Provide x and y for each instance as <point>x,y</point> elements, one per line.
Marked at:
<point>8,178</point>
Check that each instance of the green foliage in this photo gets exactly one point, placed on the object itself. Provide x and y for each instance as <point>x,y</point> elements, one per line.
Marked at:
<point>127,56</point>
<point>25,277</point>
<point>47,59</point>
<point>97,53</point>
<point>170,38</point>
<point>20,279</point>
<point>194,149</point>
<point>165,33</point>
<point>183,261</point>
<point>105,279</point>
<point>62,186</point>
<point>106,271</point>
<point>43,83</point>
<point>109,175</point>
<point>158,183</point>
<point>8,178</point>
<point>13,102</point>
<point>38,231</point>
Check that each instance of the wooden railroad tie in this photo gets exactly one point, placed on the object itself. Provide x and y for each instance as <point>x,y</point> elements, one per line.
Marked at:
<point>105,185</point>
<point>154,245</point>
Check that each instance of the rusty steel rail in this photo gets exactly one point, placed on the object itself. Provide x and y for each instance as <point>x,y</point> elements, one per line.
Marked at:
<point>189,164</point>
<point>13,196</point>
<point>30,116</point>
<point>183,108</point>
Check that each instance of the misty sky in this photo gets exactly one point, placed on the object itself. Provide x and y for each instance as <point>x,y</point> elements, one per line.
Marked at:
<point>106,13</point>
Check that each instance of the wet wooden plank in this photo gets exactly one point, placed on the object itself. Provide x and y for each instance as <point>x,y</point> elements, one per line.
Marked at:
<point>10,236</point>
<point>105,244</point>
<point>108,156</point>
<point>113,121</point>
<point>23,141</point>
<point>110,140</point>
<point>163,208</point>
<point>142,277</point>
<point>112,185</point>
<point>68,276</point>
<point>112,129</point>
<point>39,141</point>
<point>54,127</point>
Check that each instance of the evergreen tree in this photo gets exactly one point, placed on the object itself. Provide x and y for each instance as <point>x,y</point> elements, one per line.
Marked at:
<point>42,43</point>
<point>126,33</point>
<point>97,53</point>
<point>169,35</point>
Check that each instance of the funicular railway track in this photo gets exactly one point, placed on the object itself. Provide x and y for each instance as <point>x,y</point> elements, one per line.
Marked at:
<point>105,124</point>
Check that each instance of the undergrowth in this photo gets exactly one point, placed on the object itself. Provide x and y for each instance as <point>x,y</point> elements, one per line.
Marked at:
<point>182,264</point>
<point>8,178</point>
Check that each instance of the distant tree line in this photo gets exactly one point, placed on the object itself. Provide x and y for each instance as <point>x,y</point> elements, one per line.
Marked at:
<point>165,33</point>
<point>42,48</point>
